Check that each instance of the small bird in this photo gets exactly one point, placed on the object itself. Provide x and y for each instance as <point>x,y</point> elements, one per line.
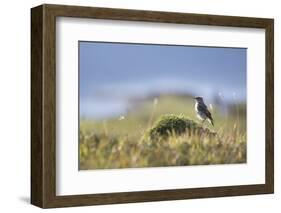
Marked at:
<point>202,111</point>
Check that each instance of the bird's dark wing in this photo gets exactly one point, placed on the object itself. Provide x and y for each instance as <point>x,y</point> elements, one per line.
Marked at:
<point>203,108</point>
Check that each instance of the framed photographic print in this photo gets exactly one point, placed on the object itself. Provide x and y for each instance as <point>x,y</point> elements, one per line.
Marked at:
<point>136,106</point>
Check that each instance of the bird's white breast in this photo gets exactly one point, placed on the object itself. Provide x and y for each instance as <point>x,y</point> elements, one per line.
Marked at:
<point>195,107</point>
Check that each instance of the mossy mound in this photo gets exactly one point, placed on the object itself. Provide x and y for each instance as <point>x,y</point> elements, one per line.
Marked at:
<point>177,125</point>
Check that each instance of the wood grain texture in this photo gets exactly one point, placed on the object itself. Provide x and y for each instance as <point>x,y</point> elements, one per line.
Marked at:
<point>43,105</point>
<point>269,118</point>
<point>36,106</point>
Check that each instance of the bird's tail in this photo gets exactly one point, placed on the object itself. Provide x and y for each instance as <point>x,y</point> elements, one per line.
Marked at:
<point>211,121</point>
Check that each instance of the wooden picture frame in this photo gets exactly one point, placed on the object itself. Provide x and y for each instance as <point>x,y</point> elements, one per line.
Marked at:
<point>43,105</point>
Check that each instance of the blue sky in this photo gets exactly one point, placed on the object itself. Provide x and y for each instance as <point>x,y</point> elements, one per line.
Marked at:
<point>112,73</point>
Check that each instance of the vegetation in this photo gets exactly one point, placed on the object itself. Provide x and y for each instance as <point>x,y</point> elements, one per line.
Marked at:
<point>159,133</point>
<point>171,124</point>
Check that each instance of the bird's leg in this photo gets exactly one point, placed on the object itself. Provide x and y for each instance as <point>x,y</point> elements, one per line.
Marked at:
<point>203,121</point>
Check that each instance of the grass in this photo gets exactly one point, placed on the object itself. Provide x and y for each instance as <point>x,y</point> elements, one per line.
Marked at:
<point>163,132</point>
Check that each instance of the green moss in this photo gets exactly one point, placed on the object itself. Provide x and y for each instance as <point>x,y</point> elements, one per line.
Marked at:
<point>175,124</point>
